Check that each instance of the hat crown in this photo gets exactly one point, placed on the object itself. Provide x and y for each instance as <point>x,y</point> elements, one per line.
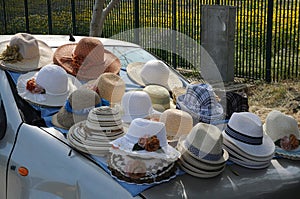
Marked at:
<point>204,139</point>
<point>86,45</point>
<point>27,44</point>
<point>155,72</point>
<point>83,98</point>
<point>53,79</point>
<point>159,96</point>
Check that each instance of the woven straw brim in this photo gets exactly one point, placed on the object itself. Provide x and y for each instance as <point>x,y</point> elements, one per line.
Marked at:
<point>134,73</point>
<point>45,57</point>
<point>111,62</point>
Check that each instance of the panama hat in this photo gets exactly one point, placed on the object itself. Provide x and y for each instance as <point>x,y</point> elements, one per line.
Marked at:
<point>55,84</point>
<point>160,97</point>
<point>93,135</point>
<point>136,104</point>
<point>152,135</point>
<point>177,123</point>
<point>24,53</point>
<point>76,108</point>
<point>244,130</point>
<point>153,72</point>
<point>86,59</point>
<point>204,143</point>
<point>200,101</point>
<point>283,130</point>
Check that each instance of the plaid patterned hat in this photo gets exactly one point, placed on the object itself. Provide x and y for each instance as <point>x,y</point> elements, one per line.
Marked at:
<point>200,101</point>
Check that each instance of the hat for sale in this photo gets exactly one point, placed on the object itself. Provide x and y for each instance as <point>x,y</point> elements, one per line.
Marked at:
<point>24,53</point>
<point>87,59</point>
<point>48,87</point>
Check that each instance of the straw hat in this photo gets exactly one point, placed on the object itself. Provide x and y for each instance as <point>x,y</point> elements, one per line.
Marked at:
<point>137,104</point>
<point>86,59</point>
<point>76,108</point>
<point>153,72</point>
<point>141,132</point>
<point>24,53</point>
<point>200,101</point>
<point>177,123</point>
<point>160,97</point>
<point>55,84</point>
<point>93,135</point>
<point>244,130</point>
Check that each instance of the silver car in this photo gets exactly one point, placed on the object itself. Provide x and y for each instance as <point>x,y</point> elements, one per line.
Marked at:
<point>38,163</point>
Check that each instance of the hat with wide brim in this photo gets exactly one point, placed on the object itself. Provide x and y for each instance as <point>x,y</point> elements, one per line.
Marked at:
<point>134,73</point>
<point>25,65</point>
<point>48,99</point>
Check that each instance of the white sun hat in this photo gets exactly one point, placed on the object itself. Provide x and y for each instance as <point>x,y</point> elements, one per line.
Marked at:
<point>55,82</point>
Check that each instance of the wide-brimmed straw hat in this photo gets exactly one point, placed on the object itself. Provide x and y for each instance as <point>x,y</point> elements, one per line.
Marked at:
<point>283,130</point>
<point>245,131</point>
<point>160,97</point>
<point>76,108</point>
<point>54,83</point>
<point>137,104</point>
<point>147,139</point>
<point>24,53</point>
<point>153,72</point>
<point>177,123</point>
<point>94,135</point>
<point>87,59</point>
<point>200,101</point>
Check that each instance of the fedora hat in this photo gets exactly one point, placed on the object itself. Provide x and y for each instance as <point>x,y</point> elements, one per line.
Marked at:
<point>93,135</point>
<point>147,139</point>
<point>87,59</point>
<point>24,53</point>
<point>200,101</point>
<point>76,108</point>
<point>153,72</point>
<point>204,143</point>
<point>160,97</point>
<point>283,130</point>
<point>136,104</point>
<point>48,87</point>
<point>177,123</point>
<point>244,130</point>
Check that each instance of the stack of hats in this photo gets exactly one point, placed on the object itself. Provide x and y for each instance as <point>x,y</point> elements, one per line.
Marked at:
<point>177,123</point>
<point>142,155</point>
<point>93,136</point>
<point>200,101</point>
<point>246,143</point>
<point>201,150</point>
<point>283,130</point>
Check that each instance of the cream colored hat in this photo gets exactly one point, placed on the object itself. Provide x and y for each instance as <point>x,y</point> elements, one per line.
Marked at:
<point>24,53</point>
<point>177,123</point>
<point>153,72</point>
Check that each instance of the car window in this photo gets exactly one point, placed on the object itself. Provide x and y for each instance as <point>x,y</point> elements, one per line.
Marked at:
<point>3,120</point>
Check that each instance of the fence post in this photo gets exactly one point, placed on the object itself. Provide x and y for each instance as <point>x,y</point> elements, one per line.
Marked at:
<point>73,16</point>
<point>269,40</point>
<point>4,16</point>
<point>49,16</point>
<point>136,22</point>
<point>26,15</point>
<point>174,46</point>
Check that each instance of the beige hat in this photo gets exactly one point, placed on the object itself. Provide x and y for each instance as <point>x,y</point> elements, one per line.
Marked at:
<point>153,72</point>
<point>24,53</point>
<point>76,108</point>
<point>160,97</point>
<point>177,123</point>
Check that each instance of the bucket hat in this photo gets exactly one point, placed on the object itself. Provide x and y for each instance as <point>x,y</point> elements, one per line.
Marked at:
<point>147,139</point>
<point>24,53</point>
<point>200,101</point>
<point>76,108</point>
<point>244,130</point>
<point>136,104</point>
<point>153,72</point>
<point>283,130</point>
<point>160,97</point>
<point>177,123</point>
<point>49,87</point>
<point>87,59</point>
<point>93,135</point>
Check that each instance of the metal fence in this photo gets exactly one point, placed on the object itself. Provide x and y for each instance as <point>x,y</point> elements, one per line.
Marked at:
<point>267,39</point>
